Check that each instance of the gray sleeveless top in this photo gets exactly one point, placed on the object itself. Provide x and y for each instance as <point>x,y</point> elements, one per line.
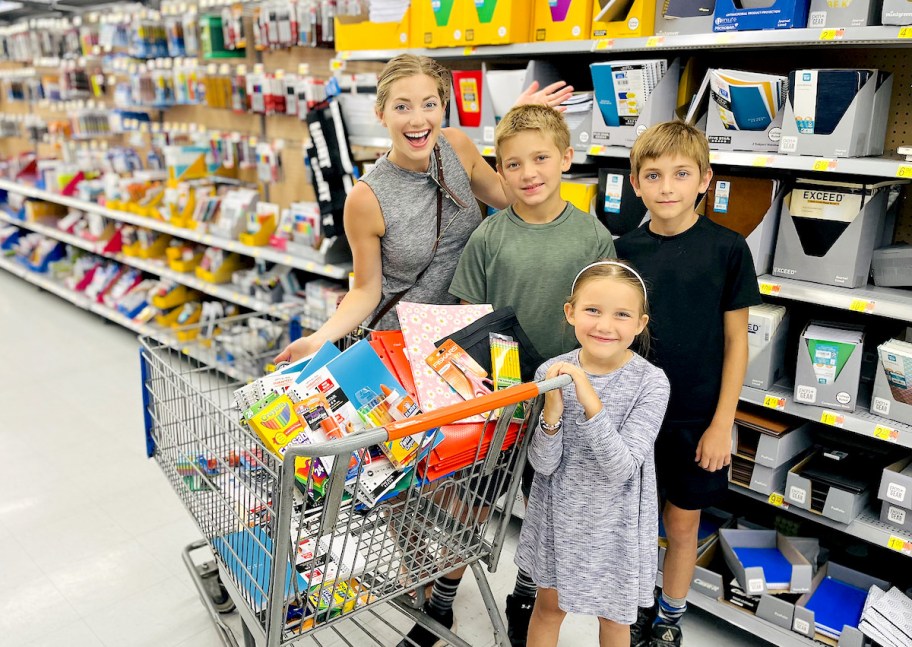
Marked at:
<point>408,201</point>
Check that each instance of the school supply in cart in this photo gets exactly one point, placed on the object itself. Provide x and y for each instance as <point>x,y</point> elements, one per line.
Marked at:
<point>459,370</point>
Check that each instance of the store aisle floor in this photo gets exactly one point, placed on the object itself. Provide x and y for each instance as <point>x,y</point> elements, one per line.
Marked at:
<point>90,533</point>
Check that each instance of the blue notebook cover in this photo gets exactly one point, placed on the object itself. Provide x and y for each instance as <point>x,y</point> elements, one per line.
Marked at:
<point>603,87</point>
<point>749,108</point>
<point>320,359</point>
<point>836,604</point>
<point>777,570</point>
<point>248,555</point>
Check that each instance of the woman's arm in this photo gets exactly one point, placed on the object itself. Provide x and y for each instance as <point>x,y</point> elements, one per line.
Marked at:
<point>364,227</point>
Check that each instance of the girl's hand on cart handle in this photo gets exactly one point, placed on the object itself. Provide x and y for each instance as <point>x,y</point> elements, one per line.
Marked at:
<point>554,401</point>
<point>584,391</point>
<point>297,349</point>
<point>551,95</point>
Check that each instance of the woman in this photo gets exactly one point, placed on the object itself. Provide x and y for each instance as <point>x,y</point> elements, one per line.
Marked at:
<point>408,220</point>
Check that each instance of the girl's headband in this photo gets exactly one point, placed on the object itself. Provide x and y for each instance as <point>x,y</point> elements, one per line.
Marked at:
<point>626,267</point>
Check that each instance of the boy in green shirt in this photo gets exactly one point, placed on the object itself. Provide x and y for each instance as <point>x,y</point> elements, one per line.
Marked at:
<point>527,256</point>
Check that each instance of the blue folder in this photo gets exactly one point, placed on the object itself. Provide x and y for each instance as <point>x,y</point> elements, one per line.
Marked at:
<point>777,570</point>
<point>751,112</point>
<point>836,604</point>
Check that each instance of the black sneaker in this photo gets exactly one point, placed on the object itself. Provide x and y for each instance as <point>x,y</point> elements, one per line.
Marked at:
<point>519,611</point>
<point>641,630</point>
<point>419,636</point>
<point>666,634</point>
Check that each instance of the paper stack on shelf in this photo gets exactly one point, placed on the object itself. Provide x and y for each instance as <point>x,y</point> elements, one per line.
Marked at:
<point>896,357</point>
<point>836,604</point>
<point>887,617</point>
<point>830,349</point>
<point>747,100</point>
<point>577,102</point>
<point>622,88</point>
<point>777,570</point>
<point>763,323</point>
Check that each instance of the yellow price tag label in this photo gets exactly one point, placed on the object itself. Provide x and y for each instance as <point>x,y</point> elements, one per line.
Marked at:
<point>832,34</point>
<point>861,305</point>
<point>831,418</point>
<point>900,545</point>
<point>469,51</point>
<point>487,151</point>
<point>287,259</point>
<point>345,55</point>
<point>762,160</point>
<point>714,156</point>
<point>654,41</point>
<point>603,43</point>
<point>904,171</point>
<point>886,433</point>
<point>724,38</point>
<point>904,32</point>
<point>770,289</point>
<point>336,64</point>
<point>772,402</point>
<point>824,165</point>
<point>777,500</point>
<point>596,150</point>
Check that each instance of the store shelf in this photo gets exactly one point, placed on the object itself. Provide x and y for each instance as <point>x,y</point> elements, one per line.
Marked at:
<point>881,167</point>
<point>779,636</point>
<point>867,526</point>
<point>283,311</point>
<point>485,150</point>
<point>340,271</point>
<point>861,422</point>
<point>849,37</point>
<point>884,302</point>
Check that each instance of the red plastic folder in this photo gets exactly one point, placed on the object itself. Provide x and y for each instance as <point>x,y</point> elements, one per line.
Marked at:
<point>459,446</point>
<point>393,355</point>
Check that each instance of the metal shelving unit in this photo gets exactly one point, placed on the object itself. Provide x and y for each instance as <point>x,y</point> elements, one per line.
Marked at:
<point>884,302</point>
<point>831,37</point>
<point>340,271</point>
<point>158,268</point>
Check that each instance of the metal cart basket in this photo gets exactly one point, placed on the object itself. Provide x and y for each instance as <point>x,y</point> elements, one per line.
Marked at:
<point>298,548</point>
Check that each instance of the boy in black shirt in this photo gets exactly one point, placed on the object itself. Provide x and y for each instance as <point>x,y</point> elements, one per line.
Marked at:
<point>702,281</point>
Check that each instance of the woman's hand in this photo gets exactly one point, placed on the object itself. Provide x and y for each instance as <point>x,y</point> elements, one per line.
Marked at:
<point>552,95</point>
<point>554,399</point>
<point>297,349</point>
<point>585,393</point>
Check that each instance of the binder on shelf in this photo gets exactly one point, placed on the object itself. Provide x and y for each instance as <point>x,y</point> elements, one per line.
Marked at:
<point>619,115</point>
<point>437,23</point>
<point>617,205</point>
<point>828,232</point>
<point>750,206</point>
<point>741,15</point>
<point>360,32</point>
<point>680,17</point>
<point>857,13</point>
<point>828,372</point>
<point>623,18</point>
<point>745,110</point>
<point>892,395</point>
<point>561,20</point>
<point>496,22</point>
<point>836,113</point>
<point>833,606</point>
<point>764,561</point>
<point>767,341</point>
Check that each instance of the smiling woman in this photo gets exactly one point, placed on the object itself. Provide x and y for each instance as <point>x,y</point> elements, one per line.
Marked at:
<point>408,220</point>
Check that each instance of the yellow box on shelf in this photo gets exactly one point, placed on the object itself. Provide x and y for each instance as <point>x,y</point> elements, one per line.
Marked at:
<point>569,20</point>
<point>169,318</point>
<point>437,23</point>
<point>623,18</point>
<point>358,32</point>
<point>157,249</point>
<point>177,263</point>
<point>180,295</point>
<point>261,225</point>
<point>223,274</point>
<point>580,192</point>
<point>496,22</point>
<point>132,249</point>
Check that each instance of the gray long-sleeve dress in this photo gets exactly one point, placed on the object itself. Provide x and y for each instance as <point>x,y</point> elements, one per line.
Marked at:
<point>591,527</point>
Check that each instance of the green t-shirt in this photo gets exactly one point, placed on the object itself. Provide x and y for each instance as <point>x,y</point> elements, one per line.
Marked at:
<point>509,262</point>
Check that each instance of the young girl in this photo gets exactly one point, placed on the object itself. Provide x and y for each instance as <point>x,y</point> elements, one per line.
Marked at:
<point>589,539</point>
<point>408,220</point>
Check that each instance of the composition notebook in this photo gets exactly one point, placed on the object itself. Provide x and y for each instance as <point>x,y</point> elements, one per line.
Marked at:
<point>777,570</point>
<point>836,604</point>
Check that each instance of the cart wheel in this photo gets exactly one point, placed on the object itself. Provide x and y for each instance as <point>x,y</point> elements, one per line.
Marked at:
<point>214,587</point>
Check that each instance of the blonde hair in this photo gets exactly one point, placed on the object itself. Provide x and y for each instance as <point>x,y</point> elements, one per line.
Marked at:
<point>543,119</point>
<point>408,65</point>
<point>623,271</point>
<point>670,138</point>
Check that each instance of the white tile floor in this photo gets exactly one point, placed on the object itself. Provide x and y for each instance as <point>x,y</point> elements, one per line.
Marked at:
<point>90,533</point>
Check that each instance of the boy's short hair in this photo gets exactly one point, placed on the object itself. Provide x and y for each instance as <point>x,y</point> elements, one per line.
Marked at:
<point>670,138</point>
<point>541,118</point>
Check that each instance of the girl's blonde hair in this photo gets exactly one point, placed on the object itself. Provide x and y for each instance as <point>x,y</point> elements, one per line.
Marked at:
<point>625,273</point>
<point>408,65</point>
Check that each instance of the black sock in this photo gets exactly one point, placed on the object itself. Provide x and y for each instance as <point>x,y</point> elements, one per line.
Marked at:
<point>443,594</point>
<point>524,587</point>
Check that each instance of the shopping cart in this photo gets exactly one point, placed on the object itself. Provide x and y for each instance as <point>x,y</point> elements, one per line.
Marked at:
<point>295,565</point>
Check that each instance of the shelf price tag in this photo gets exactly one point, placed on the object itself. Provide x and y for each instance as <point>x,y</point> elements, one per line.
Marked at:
<point>900,545</point>
<point>770,289</point>
<point>724,38</point>
<point>778,500</point>
<point>762,160</point>
<point>772,402</point>
<point>603,43</point>
<point>861,305</point>
<point>833,419</point>
<point>336,64</point>
<point>344,55</point>
<point>654,41</point>
<point>904,32</point>
<point>904,171</point>
<point>886,433</point>
<point>487,151</point>
<point>596,150</point>
<point>469,51</point>
<point>824,165</point>
<point>832,34</point>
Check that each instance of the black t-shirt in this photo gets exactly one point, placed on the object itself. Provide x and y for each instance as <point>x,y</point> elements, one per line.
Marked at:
<point>694,278</point>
